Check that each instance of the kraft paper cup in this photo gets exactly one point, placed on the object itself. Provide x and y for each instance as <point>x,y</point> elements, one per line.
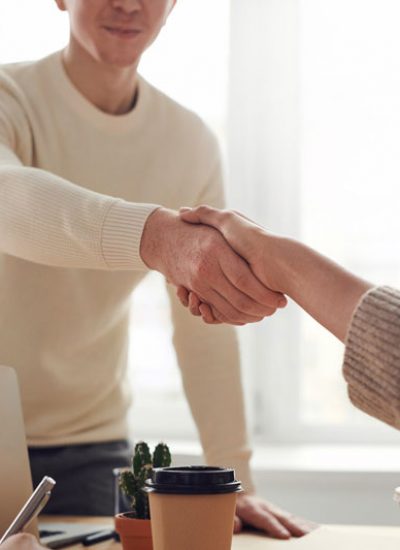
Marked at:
<point>192,507</point>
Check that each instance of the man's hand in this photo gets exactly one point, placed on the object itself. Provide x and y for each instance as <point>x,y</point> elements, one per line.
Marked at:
<point>198,258</point>
<point>255,512</point>
<point>23,541</point>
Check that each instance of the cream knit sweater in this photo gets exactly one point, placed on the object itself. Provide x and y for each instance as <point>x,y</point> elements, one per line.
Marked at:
<point>372,357</point>
<point>76,187</point>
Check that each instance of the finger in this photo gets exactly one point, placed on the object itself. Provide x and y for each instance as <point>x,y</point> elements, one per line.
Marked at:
<point>211,315</point>
<point>242,278</point>
<point>194,303</point>
<point>183,295</point>
<point>203,214</point>
<point>208,315</point>
<point>224,306</point>
<point>237,525</point>
<point>265,521</point>
<point>298,527</point>
<point>244,303</point>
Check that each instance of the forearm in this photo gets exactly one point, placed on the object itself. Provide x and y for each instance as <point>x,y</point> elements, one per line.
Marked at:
<point>46,219</point>
<point>328,292</point>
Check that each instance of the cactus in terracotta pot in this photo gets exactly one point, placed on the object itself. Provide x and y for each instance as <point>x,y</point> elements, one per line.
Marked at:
<point>133,481</point>
<point>134,527</point>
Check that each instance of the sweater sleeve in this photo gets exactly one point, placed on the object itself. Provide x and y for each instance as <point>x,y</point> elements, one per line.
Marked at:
<point>372,356</point>
<point>49,220</point>
<point>208,358</point>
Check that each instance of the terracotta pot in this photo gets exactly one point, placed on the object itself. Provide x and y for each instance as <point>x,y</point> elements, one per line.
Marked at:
<point>135,534</point>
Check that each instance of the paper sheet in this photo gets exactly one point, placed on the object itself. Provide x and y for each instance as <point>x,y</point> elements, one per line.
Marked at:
<point>327,538</point>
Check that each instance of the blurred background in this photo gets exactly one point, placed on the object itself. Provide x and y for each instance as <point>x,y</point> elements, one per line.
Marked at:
<point>304,96</point>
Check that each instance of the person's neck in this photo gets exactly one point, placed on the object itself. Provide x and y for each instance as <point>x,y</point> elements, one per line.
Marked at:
<point>111,89</point>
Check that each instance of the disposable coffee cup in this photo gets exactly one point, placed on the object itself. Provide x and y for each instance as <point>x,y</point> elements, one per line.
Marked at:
<point>192,507</point>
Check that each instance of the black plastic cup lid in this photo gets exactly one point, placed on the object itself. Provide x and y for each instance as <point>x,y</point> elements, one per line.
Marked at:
<point>193,480</point>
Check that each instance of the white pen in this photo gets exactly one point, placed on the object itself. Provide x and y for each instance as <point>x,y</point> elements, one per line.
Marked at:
<point>31,508</point>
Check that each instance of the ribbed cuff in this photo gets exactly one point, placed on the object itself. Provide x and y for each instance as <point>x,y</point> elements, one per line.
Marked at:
<point>243,474</point>
<point>241,467</point>
<point>122,233</point>
<point>372,357</point>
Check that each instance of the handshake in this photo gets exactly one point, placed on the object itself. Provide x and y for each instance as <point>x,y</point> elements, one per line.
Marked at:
<point>216,259</point>
<point>218,262</point>
<point>228,269</point>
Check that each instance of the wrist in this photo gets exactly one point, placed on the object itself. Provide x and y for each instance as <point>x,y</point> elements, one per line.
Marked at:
<point>152,244</point>
<point>283,254</point>
<point>293,261</point>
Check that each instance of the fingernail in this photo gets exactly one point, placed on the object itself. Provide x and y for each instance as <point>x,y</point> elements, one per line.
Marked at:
<point>185,209</point>
<point>282,302</point>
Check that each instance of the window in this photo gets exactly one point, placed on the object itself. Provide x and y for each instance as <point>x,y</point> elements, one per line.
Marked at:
<point>320,155</point>
<point>350,166</point>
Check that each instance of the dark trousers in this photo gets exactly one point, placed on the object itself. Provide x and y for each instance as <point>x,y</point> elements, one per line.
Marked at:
<point>84,476</point>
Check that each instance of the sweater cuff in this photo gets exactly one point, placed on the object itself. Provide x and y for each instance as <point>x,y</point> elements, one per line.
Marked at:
<point>241,467</point>
<point>121,235</point>
<point>243,474</point>
<point>372,356</point>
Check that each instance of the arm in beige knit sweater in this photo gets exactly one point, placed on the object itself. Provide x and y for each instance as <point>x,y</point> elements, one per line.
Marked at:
<point>367,319</point>
<point>50,220</point>
<point>47,219</point>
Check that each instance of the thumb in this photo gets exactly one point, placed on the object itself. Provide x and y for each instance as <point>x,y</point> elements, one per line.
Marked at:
<point>206,215</point>
<point>189,215</point>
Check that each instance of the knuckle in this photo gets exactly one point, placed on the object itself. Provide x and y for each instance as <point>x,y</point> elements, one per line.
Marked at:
<point>226,214</point>
<point>203,209</point>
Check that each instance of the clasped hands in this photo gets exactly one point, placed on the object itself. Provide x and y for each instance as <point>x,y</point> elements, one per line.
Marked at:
<point>216,260</point>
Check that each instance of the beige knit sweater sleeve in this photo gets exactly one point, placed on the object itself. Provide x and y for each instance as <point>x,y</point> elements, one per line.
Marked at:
<point>372,356</point>
<point>49,220</point>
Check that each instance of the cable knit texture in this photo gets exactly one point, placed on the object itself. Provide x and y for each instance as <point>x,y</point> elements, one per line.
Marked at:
<point>372,356</point>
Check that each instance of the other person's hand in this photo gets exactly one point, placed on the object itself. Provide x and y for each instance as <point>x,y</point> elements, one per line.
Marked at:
<point>327,291</point>
<point>247,238</point>
<point>199,259</point>
<point>22,541</point>
<point>252,511</point>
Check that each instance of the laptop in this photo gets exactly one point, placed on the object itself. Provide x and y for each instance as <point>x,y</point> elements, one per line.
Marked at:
<point>15,475</point>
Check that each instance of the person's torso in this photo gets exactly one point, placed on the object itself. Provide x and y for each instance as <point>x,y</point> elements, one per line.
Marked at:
<point>66,330</point>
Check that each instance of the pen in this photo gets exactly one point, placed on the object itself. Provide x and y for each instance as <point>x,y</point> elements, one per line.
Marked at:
<point>100,536</point>
<point>31,508</point>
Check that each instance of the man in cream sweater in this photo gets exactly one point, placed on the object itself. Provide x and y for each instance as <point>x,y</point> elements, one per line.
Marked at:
<point>88,153</point>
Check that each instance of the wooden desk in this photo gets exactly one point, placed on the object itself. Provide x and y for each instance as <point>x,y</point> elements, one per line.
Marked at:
<point>254,541</point>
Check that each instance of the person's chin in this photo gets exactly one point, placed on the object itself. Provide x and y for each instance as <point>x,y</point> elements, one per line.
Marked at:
<point>122,61</point>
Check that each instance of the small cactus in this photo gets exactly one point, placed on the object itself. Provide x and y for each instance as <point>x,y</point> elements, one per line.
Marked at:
<point>132,482</point>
